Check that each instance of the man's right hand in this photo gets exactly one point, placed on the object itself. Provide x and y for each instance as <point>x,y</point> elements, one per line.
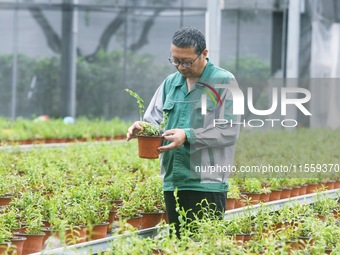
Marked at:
<point>133,130</point>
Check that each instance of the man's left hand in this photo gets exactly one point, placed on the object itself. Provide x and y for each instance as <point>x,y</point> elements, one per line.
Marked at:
<point>176,136</point>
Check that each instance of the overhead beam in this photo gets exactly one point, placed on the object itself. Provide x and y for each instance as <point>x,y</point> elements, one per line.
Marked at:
<point>213,29</point>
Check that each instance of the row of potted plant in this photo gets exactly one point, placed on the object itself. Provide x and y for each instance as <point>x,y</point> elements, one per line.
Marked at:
<point>44,129</point>
<point>252,190</point>
<point>294,229</point>
<point>77,186</point>
<point>87,179</point>
<point>66,215</point>
<point>33,164</point>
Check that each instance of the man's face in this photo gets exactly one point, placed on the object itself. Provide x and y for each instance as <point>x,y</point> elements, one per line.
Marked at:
<point>189,55</point>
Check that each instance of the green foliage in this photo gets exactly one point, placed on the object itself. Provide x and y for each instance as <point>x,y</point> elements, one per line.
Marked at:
<point>129,209</point>
<point>248,67</point>
<point>132,245</point>
<point>252,185</point>
<point>34,220</point>
<point>252,72</point>
<point>140,102</point>
<point>5,230</point>
<point>99,84</point>
<point>234,189</point>
<point>9,219</point>
<point>149,129</point>
<point>150,194</point>
<point>23,129</point>
<point>278,148</point>
<point>62,185</point>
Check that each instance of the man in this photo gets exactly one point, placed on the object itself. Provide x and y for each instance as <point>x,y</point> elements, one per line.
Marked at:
<point>197,151</point>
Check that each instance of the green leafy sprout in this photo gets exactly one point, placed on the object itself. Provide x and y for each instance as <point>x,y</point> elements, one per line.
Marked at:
<point>140,102</point>
<point>149,129</point>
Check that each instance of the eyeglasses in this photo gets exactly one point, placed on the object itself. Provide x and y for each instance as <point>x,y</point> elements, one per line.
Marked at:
<point>186,64</point>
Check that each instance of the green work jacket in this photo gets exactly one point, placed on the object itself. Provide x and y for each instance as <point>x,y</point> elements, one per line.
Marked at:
<point>204,161</point>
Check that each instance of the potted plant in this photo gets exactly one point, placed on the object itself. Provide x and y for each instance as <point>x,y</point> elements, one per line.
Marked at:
<point>75,217</point>
<point>97,213</point>
<point>252,189</point>
<point>150,138</point>
<point>33,233</point>
<point>149,193</point>
<point>235,198</point>
<point>128,213</point>
<point>8,182</point>
<point>275,188</point>
<point>9,218</point>
<point>5,235</point>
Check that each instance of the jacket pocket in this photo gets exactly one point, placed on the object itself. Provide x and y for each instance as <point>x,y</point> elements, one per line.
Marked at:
<point>168,105</point>
<point>198,119</point>
<point>210,106</point>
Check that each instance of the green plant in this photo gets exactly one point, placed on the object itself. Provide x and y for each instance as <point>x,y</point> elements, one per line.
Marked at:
<point>133,245</point>
<point>252,185</point>
<point>233,227</point>
<point>140,102</point>
<point>10,185</point>
<point>129,209</point>
<point>75,214</point>
<point>275,183</point>
<point>57,224</point>
<point>150,195</point>
<point>5,232</point>
<point>9,219</point>
<point>149,129</point>
<point>288,215</point>
<point>263,220</point>
<point>307,226</point>
<point>27,201</point>
<point>111,192</point>
<point>3,186</point>
<point>234,190</point>
<point>50,208</point>
<point>33,220</point>
<point>97,211</point>
<point>105,68</point>
<point>265,190</point>
<point>328,236</point>
<point>323,205</point>
<point>55,128</point>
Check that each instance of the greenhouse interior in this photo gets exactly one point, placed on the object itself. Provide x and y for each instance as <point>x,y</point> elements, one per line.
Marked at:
<point>241,98</point>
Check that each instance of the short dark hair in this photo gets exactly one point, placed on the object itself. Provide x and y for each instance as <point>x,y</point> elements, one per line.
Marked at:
<point>188,37</point>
